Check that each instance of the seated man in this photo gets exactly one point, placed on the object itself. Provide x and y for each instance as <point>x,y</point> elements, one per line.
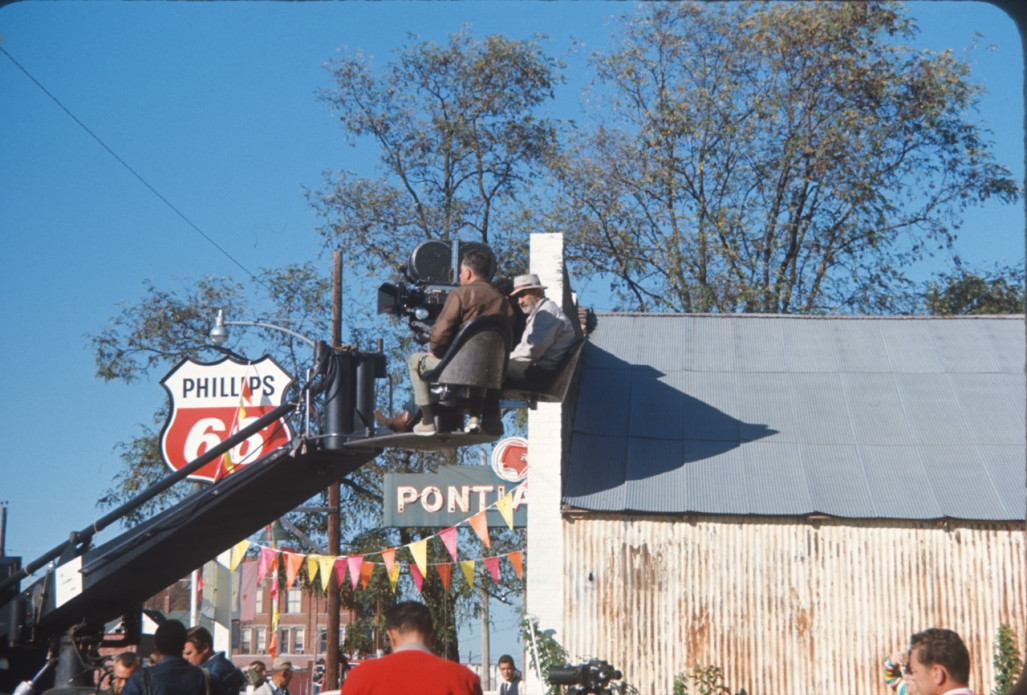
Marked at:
<point>473,298</point>
<point>548,334</point>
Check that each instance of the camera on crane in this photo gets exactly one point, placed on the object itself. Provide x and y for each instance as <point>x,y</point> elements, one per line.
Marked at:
<point>593,677</point>
<point>430,274</point>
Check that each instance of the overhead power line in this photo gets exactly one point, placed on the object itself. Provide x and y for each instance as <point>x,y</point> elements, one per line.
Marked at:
<point>132,171</point>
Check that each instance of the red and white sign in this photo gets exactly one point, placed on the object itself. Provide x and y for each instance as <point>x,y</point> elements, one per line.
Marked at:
<point>510,459</point>
<point>211,402</point>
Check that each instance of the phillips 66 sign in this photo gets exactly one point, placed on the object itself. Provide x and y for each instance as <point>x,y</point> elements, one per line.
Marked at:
<point>211,402</point>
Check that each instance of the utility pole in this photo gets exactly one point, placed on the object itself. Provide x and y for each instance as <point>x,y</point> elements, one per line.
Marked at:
<point>3,527</point>
<point>331,674</point>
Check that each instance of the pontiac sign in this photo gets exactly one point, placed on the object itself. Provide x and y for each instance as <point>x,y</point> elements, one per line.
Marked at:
<point>449,496</point>
<point>211,402</point>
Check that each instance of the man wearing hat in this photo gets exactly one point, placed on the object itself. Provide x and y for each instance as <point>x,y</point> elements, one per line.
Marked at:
<point>278,682</point>
<point>548,333</point>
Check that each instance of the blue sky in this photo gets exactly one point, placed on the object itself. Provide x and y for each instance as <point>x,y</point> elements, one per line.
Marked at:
<point>213,105</point>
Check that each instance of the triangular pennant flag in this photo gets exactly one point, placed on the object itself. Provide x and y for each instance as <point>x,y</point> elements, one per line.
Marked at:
<point>340,571</point>
<point>355,570</point>
<point>266,561</point>
<point>417,577</point>
<point>515,560</point>
<point>365,572</point>
<point>505,507</point>
<point>444,574</point>
<point>312,565</point>
<point>238,553</point>
<point>493,564</point>
<point>467,566</point>
<point>389,558</point>
<point>480,525</point>
<point>394,577</point>
<point>324,566</point>
<point>449,540</point>
<point>419,549</point>
<point>293,562</point>
<point>272,645</point>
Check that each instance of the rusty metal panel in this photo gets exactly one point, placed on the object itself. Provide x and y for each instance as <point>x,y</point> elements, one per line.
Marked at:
<point>785,605</point>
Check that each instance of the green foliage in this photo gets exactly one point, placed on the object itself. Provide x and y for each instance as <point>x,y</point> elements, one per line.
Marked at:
<point>964,292</point>
<point>457,138</point>
<point>708,680</point>
<point>544,652</point>
<point>1006,660</point>
<point>771,158</point>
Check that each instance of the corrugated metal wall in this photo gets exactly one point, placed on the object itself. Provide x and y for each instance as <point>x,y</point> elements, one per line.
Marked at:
<point>785,606</point>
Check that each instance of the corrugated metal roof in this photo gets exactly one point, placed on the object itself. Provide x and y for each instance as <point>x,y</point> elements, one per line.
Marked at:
<point>889,418</point>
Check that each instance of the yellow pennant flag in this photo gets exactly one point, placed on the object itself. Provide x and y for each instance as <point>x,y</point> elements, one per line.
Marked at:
<point>467,566</point>
<point>504,505</point>
<point>394,577</point>
<point>325,564</point>
<point>312,565</point>
<point>419,550</point>
<point>238,553</point>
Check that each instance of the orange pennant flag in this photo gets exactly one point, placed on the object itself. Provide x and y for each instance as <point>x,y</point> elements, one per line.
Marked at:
<point>389,558</point>
<point>293,562</point>
<point>467,566</point>
<point>480,525</point>
<point>366,570</point>
<point>444,574</point>
<point>516,561</point>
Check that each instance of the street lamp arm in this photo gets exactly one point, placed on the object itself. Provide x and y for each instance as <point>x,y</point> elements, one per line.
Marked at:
<point>272,326</point>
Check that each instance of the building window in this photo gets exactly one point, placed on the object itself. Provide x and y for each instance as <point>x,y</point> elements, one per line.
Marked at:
<point>245,646</point>
<point>298,635</point>
<point>260,599</point>
<point>283,641</point>
<point>323,643</point>
<point>259,640</point>
<point>294,601</point>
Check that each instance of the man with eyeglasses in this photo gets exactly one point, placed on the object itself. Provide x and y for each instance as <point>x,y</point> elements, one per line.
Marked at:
<point>939,663</point>
<point>125,664</point>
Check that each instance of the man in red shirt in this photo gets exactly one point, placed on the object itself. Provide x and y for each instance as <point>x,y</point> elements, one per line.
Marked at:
<point>411,667</point>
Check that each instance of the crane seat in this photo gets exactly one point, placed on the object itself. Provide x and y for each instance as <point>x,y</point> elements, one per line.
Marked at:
<point>545,385</point>
<point>476,359</point>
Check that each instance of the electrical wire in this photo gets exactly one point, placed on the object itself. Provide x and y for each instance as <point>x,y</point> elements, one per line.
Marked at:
<point>132,171</point>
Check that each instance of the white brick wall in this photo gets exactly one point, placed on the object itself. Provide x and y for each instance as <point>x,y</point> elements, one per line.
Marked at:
<point>544,595</point>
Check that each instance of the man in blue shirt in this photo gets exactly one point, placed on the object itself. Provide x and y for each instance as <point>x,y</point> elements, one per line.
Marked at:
<point>172,674</point>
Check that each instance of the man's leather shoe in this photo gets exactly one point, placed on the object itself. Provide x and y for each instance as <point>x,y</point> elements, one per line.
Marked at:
<point>400,422</point>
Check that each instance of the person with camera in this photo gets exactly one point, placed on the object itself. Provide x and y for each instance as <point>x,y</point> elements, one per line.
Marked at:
<point>473,298</point>
<point>411,667</point>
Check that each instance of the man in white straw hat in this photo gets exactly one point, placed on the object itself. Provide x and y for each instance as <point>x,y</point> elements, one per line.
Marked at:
<point>548,334</point>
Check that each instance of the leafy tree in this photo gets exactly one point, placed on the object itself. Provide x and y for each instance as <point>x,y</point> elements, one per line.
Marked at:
<point>771,158</point>
<point>963,291</point>
<point>1006,660</point>
<point>457,140</point>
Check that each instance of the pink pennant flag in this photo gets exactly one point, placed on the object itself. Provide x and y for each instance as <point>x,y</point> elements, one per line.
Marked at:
<point>516,560</point>
<point>354,562</point>
<point>340,571</point>
<point>480,525</point>
<point>264,563</point>
<point>493,564</point>
<point>417,577</point>
<point>449,540</point>
<point>445,571</point>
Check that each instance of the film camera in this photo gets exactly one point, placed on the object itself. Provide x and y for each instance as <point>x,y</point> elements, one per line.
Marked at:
<point>429,275</point>
<point>593,677</point>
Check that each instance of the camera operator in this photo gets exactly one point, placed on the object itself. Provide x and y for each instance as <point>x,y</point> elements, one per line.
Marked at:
<point>474,297</point>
